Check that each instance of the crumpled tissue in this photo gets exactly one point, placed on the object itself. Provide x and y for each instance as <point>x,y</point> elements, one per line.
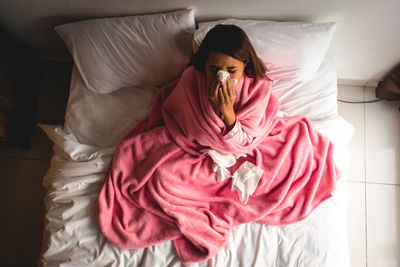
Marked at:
<point>223,75</point>
<point>244,180</point>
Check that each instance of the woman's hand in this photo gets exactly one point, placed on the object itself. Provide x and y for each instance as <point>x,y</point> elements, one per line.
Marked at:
<point>222,97</point>
<point>213,96</point>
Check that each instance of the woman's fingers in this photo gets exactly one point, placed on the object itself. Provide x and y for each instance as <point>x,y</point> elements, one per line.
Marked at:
<point>227,97</point>
<point>213,88</point>
<point>231,90</point>
<point>216,90</point>
<point>222,94</point>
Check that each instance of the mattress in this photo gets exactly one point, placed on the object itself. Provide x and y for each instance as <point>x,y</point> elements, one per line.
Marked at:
<point>83,147</point>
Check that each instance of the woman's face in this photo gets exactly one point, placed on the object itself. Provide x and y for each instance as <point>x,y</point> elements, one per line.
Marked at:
<point>218,61</point>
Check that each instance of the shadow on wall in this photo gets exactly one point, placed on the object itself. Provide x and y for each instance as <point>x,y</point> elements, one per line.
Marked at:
<point>50,46</point>
<point>20,76</point>
<point>47,42</point>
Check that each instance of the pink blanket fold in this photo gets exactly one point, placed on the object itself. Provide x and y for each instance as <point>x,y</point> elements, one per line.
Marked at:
<point>160,187</point>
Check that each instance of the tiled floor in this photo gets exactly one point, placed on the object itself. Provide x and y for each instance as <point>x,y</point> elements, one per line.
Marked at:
<point>373,177</point>
<point>21,191</point>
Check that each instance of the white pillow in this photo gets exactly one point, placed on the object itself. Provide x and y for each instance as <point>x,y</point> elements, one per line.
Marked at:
<point>147,50</point>
<point>102,120</point>
<point>315,98</point>
<point>290,50</point>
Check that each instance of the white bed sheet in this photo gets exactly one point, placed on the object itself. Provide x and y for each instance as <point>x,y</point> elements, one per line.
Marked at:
<point>83,148</point>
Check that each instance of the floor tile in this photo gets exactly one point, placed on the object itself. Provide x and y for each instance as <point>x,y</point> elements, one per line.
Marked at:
<point>350,93</point>
<point>356,224</point>
<point>382,139</point>
<point>21,191</point>
<point>383,225</point>
<point>354,114</point>
<point>22,210</point>
<point>41,148</point>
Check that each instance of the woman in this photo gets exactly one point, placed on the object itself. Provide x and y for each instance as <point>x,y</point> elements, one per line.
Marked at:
<point>235,57</point>
<point>168,176</point>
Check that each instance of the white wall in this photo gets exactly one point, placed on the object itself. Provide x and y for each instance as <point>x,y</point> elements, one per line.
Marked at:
<point>366,42</point>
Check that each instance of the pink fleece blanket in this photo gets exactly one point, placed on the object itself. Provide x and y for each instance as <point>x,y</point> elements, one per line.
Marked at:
<point>160,187</point>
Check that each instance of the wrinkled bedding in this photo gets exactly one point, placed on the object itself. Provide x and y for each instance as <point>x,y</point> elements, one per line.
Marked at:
<point>82,152</point>
<point>161,187</point>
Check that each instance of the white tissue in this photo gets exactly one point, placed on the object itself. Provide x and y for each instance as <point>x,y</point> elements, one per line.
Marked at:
<point>244,180</point>
<point>222,161</point>
<point>223,75</point>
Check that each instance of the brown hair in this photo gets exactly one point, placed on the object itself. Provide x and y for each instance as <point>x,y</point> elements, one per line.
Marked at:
<point>232,41</point>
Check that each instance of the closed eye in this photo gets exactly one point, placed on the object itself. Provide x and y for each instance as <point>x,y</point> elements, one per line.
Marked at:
<point>215,69</point>
<point>232,69</point>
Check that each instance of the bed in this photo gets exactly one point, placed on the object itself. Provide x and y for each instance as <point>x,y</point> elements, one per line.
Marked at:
<point>106,101</point>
